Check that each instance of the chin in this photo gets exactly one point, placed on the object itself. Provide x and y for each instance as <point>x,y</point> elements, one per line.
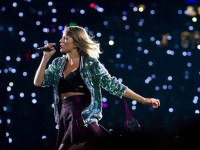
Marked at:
<point>61,50</point>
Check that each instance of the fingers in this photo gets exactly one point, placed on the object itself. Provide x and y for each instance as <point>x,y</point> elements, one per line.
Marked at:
<point>50,46</point>
<point>158,102</point>
<point>155,103</point>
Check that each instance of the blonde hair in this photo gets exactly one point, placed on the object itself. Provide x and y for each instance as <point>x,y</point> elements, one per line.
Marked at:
<point>85,43</point>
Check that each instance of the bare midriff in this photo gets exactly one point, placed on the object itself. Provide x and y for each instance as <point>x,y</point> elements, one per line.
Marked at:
<point>68,94</point>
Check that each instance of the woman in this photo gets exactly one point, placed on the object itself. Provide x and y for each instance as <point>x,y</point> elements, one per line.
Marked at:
<point>77,78</point>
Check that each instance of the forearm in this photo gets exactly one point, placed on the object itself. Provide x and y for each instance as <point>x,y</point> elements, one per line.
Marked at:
<point>39,76</point>
<point>134,96</point>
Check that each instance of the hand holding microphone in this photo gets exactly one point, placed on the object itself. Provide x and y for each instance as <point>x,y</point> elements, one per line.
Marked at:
<point>47,48</point>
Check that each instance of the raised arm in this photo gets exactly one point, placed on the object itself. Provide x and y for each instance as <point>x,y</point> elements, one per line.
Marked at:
<point>39,76</point>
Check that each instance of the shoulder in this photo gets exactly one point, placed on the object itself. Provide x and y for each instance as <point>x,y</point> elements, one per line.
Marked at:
<point>94,64</point>
<point>89,61</point>
<point>59,59</point>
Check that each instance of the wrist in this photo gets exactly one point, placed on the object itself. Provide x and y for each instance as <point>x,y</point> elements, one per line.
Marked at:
<point>143,101</point>
<point>45,58</point>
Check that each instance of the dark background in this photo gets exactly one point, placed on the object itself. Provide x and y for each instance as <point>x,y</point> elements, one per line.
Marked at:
<point>139,40</point>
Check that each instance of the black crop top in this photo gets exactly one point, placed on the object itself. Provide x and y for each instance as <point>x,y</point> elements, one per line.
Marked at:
<point>72,83</point>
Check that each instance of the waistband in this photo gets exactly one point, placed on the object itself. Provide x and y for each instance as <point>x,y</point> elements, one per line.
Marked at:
<point>72,98</point>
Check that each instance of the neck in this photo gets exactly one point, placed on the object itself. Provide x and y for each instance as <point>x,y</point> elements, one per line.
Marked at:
<point>73,58</point>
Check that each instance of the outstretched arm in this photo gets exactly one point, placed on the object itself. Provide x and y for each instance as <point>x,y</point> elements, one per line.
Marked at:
<point>155,103</point>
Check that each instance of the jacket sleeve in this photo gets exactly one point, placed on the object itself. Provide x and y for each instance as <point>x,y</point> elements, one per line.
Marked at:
<point>49,75</point>
<point>108,82</point>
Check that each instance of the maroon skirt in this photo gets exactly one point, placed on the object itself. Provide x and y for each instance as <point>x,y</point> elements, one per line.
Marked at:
<point>72,134</point>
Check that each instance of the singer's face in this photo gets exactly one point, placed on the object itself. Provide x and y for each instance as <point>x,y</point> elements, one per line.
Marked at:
<point>66,44</point>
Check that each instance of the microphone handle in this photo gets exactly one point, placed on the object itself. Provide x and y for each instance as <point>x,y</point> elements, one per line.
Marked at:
<point>42,49</point>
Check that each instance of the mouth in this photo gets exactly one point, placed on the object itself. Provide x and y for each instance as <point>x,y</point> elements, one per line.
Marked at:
<point>61,46</point>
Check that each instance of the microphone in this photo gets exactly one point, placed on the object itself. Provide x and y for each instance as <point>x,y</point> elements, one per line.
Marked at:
<point>42,49</point>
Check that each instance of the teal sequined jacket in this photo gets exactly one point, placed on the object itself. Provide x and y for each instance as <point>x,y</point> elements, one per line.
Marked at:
<point>94,75</point>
